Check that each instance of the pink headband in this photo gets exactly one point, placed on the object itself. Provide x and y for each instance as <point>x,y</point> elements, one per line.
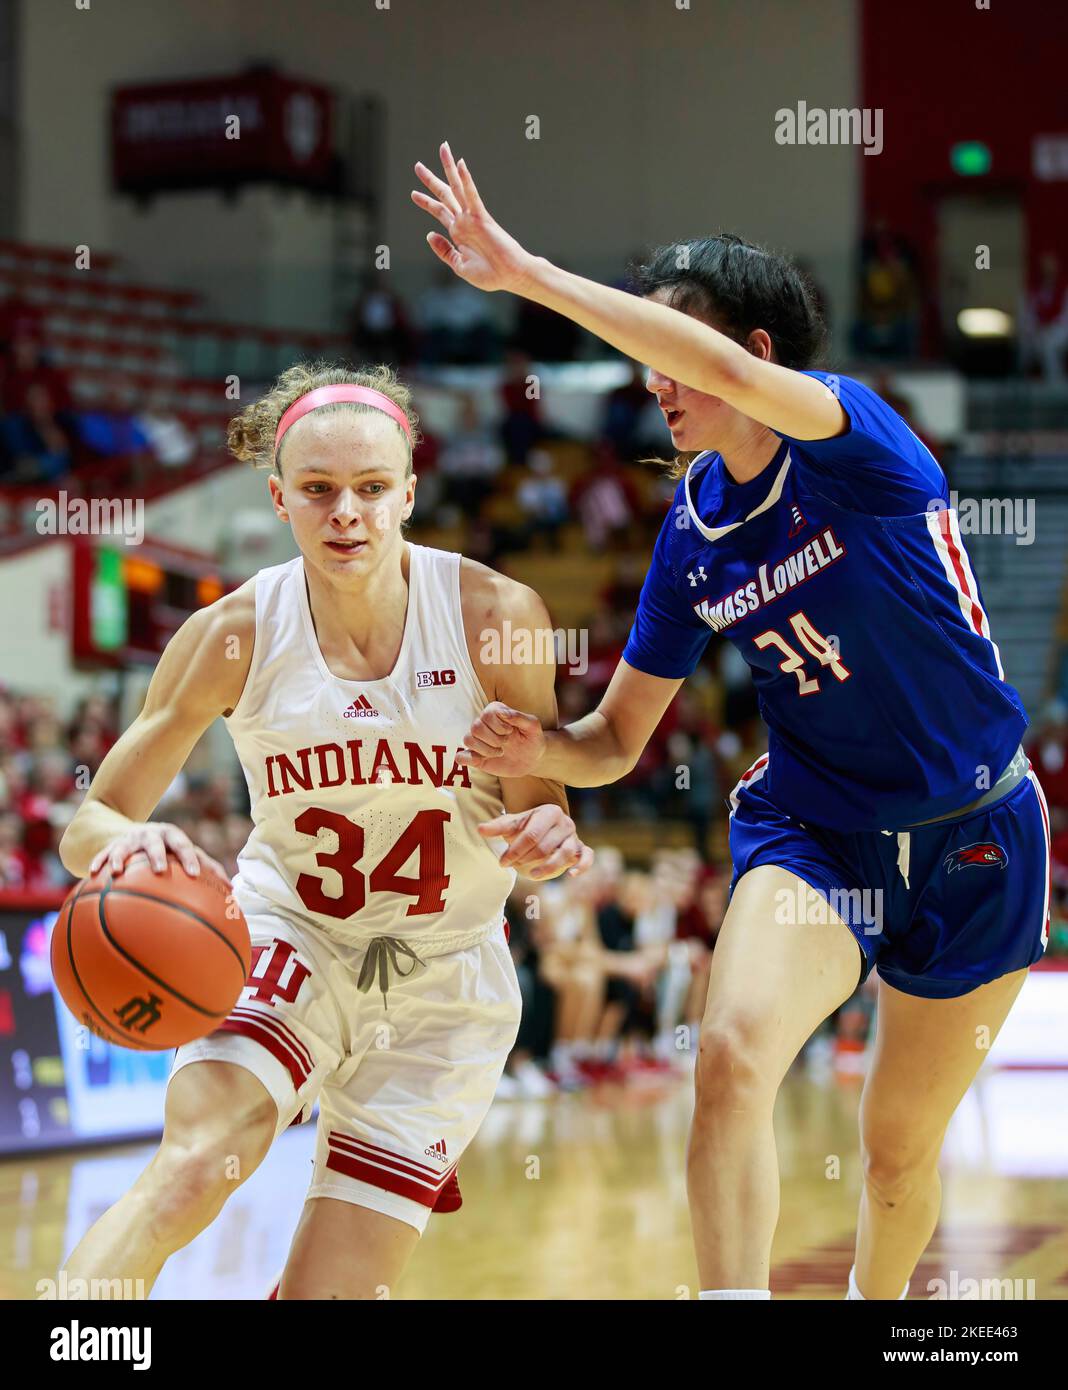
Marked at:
<point>327,395</point>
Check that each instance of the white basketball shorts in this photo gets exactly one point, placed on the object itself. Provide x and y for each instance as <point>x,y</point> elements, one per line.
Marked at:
<point>403,1082</point>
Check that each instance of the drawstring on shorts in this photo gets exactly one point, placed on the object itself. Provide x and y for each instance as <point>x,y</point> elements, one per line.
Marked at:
<point>381,954</point>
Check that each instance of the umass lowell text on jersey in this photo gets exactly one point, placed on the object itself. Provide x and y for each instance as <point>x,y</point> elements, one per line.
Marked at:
<point>840,575</point>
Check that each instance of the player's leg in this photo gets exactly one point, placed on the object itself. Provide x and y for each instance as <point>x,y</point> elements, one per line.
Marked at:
<point>946,986</point>
<point>395,1120</point>
<point>927,1053</point>
<point>219,1122</point>
<point>341,1250</point>
<point>229,1095</point>
<point>783,962</point>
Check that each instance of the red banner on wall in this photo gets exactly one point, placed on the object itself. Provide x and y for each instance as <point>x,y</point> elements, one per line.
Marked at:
<point>256,127</point>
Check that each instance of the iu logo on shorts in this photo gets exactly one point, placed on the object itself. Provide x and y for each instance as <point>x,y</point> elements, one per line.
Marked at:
<point>981,854</point>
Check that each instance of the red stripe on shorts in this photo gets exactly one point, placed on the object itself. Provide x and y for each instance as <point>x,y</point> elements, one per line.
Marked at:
<point>389,1179</point>
<point>254,1028</point>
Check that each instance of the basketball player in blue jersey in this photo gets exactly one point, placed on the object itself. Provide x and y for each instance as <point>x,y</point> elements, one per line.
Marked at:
<point>894,821</point>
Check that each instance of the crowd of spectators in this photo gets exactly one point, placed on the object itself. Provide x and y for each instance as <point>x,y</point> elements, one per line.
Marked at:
<point>46,435</point>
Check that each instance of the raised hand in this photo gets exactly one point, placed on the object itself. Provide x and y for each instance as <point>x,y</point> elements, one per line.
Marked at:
<point>476,248</point>
<point>541,842</point>
<point>504,742</point>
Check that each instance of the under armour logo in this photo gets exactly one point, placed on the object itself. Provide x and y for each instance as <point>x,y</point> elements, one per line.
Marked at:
<point>693,578</point>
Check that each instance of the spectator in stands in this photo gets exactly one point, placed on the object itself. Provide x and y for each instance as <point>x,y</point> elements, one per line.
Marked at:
<point>889,300</point>
<point>169,439</point>
<point>457,326</point>
<point>381,331</point>
<point>111,431</point>
<point>1044,322</point>
<point>470,460</point>
<point>19,868</point>
<point>623,411</point>
<point>542,497</point>
<point>524,1074</point>
<point>26,366</point>
<point>33,434</point>
<point>606,501</point>
<point>606,643</point>
<point>1047,747</point>
<point>521,426</point>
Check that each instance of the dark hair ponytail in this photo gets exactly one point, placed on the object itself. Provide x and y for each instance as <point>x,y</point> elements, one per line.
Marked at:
<point>739,287</point>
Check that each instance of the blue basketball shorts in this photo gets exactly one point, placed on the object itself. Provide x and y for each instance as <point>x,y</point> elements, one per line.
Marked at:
<point>940,909</point>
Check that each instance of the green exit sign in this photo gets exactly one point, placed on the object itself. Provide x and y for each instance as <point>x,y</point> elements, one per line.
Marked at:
<point>970,157</point>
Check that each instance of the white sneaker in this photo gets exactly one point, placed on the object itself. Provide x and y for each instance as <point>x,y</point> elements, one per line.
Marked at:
<point>507,1088</point>
<point>532,1082</point>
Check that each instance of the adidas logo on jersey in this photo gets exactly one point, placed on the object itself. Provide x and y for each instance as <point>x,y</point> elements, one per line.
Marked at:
<point>437,1151</point>
<point>361,708</point>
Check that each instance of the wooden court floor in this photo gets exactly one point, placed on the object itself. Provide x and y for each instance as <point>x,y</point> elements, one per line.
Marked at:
<point>583,1197</point>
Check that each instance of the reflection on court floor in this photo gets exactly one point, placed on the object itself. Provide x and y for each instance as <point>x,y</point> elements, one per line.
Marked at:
<point>584,1197</point>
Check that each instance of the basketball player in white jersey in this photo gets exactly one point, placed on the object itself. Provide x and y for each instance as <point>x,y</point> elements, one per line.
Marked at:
<point>373,881</point>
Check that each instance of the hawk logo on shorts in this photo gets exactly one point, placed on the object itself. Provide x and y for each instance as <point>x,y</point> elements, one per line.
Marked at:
<point>983,853</point>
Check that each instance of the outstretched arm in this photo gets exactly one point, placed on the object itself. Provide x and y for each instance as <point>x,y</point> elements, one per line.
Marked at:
<point>601,747</point>
<point>681,347</point>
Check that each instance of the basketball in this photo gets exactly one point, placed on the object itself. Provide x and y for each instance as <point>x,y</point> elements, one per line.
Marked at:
<point>150,961</point>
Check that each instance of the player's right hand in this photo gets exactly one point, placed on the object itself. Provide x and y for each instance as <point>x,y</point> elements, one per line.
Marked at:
<point>504,742</point>
<point>477,248</point>
<point>155,839</point>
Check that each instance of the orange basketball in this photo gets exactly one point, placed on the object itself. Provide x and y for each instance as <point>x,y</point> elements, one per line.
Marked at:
<point>150,961</point>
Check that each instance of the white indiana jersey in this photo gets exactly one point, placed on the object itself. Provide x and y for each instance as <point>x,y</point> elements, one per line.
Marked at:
<point>364,824</point>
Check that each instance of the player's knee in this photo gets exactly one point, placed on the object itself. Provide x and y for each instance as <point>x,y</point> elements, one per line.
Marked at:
<point>193,1174</point>
<point>893,1175</point>
<point>732,1073</point>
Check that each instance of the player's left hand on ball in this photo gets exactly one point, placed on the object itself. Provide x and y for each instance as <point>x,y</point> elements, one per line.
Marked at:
<point>542,842</point>
<point>476,248</point>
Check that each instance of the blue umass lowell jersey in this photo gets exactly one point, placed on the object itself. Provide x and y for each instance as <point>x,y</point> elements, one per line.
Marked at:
<point>840,575</point>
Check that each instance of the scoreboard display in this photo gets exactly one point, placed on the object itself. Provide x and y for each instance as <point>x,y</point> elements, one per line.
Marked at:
<point>59,1083</point>
<point>128,602</point>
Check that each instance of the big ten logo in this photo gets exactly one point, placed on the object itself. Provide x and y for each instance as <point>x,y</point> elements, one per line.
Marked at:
<point>423,679</point>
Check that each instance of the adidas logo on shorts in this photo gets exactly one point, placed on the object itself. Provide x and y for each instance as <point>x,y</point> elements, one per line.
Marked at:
<point>360,708</point>
<point>437,1151</point>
